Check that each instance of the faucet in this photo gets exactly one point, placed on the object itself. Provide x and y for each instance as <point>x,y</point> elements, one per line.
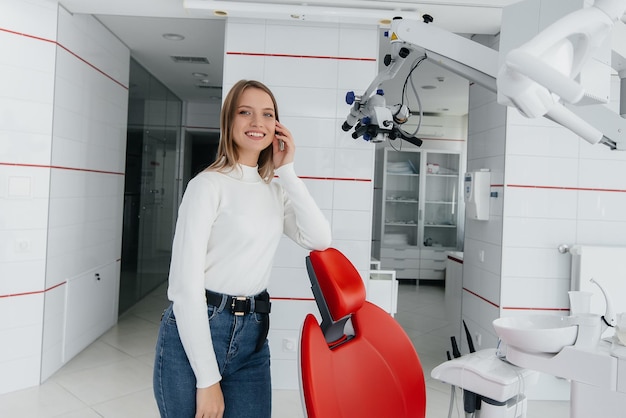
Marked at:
<point>608,318</point>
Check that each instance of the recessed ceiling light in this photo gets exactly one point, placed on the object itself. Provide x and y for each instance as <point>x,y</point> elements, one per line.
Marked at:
<point>429,87</point>
<point>200,75</point>
<point>220,13</point>
<point>173,36</point>
<point>384,22</point>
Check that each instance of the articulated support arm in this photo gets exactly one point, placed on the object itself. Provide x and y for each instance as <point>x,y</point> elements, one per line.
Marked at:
<point>537,78</point>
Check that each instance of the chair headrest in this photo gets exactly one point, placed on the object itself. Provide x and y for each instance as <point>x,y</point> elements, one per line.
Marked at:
<point>340,282</point>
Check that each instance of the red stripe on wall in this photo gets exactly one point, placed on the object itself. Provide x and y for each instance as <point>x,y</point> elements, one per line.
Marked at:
<point>586,189</point>
<point>326,57</point>
<point>66,49</point>
<point>88,170</point>
<point>482,298</point>
<point>519,308</point>
<point>515,308</point>
<point>36,292</point>
<point>334,178</point>
<point>93,66</point>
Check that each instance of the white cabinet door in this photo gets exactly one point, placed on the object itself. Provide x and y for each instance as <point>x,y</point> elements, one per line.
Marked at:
<point>91,308</point>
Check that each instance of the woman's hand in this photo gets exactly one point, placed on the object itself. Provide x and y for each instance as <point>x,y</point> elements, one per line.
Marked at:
<point>283,154</point>
<point>210,402</point>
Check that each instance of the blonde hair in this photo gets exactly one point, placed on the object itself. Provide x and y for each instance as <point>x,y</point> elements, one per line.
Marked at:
<point>227,151</point>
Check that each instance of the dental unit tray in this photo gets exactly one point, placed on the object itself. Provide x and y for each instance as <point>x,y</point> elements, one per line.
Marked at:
<point>485,374</point>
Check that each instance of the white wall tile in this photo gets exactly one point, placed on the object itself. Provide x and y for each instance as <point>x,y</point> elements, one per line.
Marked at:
<point>541,203</point>
<point>18,17</point>
<point>321,191</point>
<point>537,232</point>
<point>311,131</point>
<point>601,233</point>
<point>521,292</point>
<point>603,174</point>
<point>286,38</point>
<point>486,143</point>
<point>305,102</point>
<point>290,314</point>
<point>53,331</point>
<point>86,37</point>
<point>353,195</point>
<point>24,372</point>
<point>289,282</point>
<point>23,275</point>
<point>541,171</point>
<point>290,255</point>
<point>244,35</point>
<point>358,41</point>
<point>487,232</point>
<point>243,67</point>
<point>301,72</point>
<point>25,147</point>
<point>355,76</point>
<point>602,205</point>
<point>541,141</point>
<point>357,251</point>
<point>351,225</point>
<point>354,163</point>
<point>23,116</point>
<point>316,162</point>
<point>545,263</point>
<point>490,116</point>
<point>490,254</point>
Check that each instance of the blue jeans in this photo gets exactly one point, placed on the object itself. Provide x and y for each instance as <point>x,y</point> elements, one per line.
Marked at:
<point>246,381</point>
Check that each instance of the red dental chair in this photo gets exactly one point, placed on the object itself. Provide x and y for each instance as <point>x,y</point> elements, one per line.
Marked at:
<point>358,362</point>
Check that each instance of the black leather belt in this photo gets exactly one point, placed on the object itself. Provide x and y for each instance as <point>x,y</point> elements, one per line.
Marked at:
<point>241,305</point>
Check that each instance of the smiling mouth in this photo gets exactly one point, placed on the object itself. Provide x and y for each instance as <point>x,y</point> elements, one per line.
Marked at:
<point>256,135</point>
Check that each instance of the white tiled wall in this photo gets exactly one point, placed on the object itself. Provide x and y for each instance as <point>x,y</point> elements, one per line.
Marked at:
<point>62,149</point>
<point>310,80</point>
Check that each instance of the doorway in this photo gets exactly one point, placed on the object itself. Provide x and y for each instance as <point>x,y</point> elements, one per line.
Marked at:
<point>151,186</point>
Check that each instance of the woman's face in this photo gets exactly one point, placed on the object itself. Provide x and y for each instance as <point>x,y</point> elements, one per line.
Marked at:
<point>254,125</point>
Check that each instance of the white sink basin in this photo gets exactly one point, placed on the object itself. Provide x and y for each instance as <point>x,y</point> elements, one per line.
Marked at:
<point>537,333</point>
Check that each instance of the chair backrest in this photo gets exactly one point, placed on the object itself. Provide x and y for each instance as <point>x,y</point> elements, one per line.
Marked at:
<point>358,362</point>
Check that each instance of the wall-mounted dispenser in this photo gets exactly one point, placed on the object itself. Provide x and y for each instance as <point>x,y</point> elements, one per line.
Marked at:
<point>476,192</point>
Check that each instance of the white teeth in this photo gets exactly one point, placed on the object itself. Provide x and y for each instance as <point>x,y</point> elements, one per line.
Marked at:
<point>256,134</point>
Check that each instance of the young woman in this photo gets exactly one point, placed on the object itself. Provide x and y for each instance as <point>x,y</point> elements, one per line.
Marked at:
<point>212,356</point>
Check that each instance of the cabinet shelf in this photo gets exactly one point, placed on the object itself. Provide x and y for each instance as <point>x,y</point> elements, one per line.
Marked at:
<point>439,226</point>
<point>403,174</point>
<point>401,201</point>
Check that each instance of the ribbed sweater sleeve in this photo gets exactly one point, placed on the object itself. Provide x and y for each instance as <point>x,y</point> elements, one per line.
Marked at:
<point>187,278</point>
<point>304,222</point>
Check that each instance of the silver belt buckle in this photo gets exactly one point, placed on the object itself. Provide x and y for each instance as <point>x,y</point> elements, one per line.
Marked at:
<point>237,313</point>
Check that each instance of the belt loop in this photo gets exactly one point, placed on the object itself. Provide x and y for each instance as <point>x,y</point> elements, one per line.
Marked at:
<point>223,303</point>
<point>252,303</point>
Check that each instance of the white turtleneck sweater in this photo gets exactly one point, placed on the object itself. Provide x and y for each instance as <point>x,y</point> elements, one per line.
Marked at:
<point>229,226</point>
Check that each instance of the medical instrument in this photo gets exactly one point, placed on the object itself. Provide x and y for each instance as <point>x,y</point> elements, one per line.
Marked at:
<point>538,78</point>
